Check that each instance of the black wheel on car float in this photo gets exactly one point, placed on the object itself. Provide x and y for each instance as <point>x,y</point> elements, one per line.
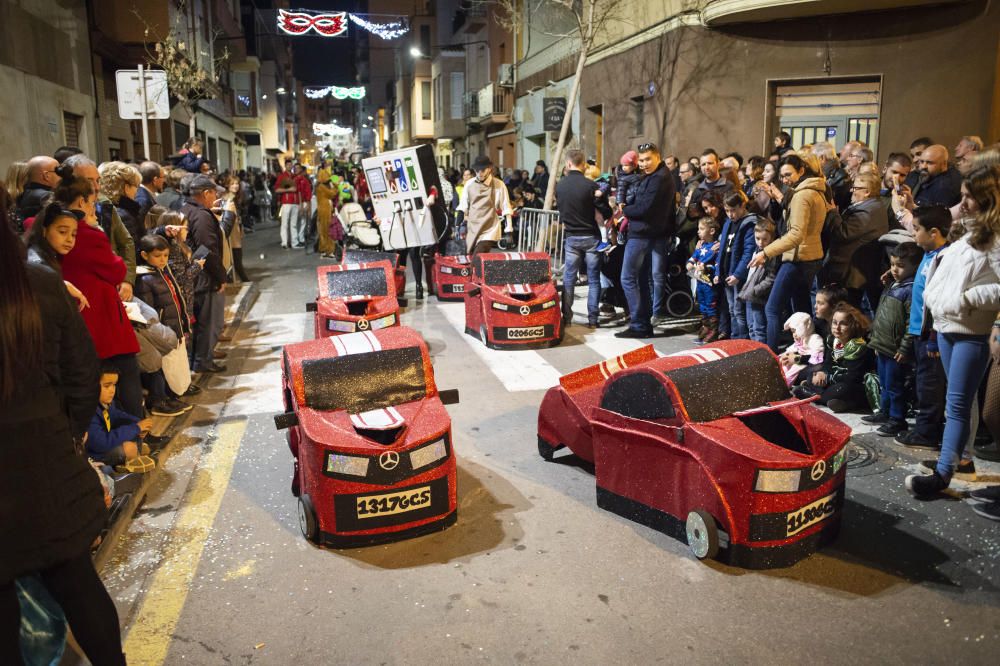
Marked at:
<point>307,519</point>
<point>702,534</point>
<point>545,450</point>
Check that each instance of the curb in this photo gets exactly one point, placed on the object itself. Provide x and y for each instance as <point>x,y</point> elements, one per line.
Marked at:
<point>248,296</point>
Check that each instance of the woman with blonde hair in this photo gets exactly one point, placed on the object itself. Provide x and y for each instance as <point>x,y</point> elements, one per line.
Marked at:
<point>120,183</point>
<point>17,176</point>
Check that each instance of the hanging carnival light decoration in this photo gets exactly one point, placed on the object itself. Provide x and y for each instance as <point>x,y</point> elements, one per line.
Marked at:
<point>340,92</point>
<point>334,24</point>
<point>330,129</point>
<point>386,31</point>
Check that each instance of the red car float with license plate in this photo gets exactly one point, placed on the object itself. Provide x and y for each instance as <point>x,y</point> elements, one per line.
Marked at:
<point>370,436</point>
<point>370,256</point>
<point>707,446</point>
<point>452,273</point>
<point>511,301</point>
<point>354,297</point>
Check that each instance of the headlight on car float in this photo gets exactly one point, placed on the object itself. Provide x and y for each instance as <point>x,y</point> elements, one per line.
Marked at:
<point>384,322</point>
<point>778,480</point>
<point>500,306</point>
<point>428,454</point>
<point>341,326</point>
<point>338,463</point>
<point>549,304</point>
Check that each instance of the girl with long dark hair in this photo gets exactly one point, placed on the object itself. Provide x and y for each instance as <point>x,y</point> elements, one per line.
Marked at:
<point>51,501</point>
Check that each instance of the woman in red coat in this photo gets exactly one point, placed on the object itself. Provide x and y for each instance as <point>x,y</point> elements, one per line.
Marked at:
<point>97,271</point>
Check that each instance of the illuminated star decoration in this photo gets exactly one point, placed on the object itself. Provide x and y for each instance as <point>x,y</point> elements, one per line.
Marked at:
<point>334,24</point>
<point>340,92</point>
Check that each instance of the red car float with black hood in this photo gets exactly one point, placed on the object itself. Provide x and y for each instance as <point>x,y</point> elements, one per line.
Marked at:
<point>511,301</point>
<point>707,446</point>
<point>354,297</point>
<point>371,438</point>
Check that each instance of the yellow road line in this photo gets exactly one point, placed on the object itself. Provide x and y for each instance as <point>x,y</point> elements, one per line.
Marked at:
<point>153,630</point>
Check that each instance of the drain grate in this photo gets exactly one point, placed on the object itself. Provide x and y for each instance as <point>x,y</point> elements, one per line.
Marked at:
<point>866,459</point>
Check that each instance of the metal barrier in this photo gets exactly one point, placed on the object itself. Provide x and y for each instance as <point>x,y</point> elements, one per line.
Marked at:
<point>540,231</point>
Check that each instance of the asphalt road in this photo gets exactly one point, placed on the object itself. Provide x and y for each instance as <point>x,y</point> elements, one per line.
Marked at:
<point>214,570</point>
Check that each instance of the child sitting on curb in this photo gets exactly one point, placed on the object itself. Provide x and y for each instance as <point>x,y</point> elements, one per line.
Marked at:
<point>115,436</point>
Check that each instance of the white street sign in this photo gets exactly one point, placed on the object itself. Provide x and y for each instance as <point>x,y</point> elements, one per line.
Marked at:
<point>130,94</point>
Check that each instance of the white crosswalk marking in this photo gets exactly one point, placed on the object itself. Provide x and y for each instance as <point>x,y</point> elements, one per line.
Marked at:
<point>521,370</point>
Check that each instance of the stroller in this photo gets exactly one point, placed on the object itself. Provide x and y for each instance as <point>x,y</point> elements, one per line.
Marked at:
<point>362,235</point>
<point>679,302</point>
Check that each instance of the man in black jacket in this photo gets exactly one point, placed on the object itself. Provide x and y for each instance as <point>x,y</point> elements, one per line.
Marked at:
<point>42,179</point>
<point>205,236</point>
<point>651,220</point>
<point>575,196</point>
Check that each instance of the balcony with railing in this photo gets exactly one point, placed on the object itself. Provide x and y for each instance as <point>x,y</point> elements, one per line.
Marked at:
<point>470,17</point>
<point>488,106</point>
<point>721,12</point>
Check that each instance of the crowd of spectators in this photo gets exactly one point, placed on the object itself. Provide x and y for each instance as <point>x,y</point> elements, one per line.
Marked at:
<point>113,296</point>
<point>876,283</point>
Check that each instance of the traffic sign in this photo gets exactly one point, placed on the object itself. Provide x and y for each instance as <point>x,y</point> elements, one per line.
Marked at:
<point>130,94</point>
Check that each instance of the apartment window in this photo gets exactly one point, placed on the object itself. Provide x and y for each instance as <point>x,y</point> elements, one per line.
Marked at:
<point>425,100</point>
<point>244,96</point>
<point>116,148</point>
<point>457,93</point>
<point>181,133</point>
<point>425,40</point>
<point>638,112</point>
<point>72,125</point>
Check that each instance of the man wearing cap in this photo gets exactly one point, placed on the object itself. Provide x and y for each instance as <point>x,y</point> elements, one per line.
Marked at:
<point>483,205</point>
<point>205,232</point>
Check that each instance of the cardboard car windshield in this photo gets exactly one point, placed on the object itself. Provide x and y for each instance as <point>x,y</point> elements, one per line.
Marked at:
<point>511,301</point>
<point>400,182</point>
<point>354,297</point>
<point>370,437</point>
<point>371,256</point>
<point>707,446</point>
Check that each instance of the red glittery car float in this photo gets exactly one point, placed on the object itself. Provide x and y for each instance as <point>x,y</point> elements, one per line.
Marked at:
<point>707,446</point>
<point>370,256</point>
<point>511,301</point>
<point>451,274</point>
<point>370,436</point>
<point>354,297</point>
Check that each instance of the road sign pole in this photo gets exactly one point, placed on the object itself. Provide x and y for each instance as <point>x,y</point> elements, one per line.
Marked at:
<point>145,113</point>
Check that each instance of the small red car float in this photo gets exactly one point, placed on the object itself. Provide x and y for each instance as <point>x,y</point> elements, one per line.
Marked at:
<point>354,297</point>
<point>511,301</point>
<point>707,446</point>
<point>452,273</point>
<point>370,256</point>
<point>370,436</point>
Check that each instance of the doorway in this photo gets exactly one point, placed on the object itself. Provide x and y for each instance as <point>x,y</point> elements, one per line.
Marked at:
<point>822,110</point>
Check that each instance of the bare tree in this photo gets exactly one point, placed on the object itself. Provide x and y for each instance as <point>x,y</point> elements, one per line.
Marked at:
<point>190,79</point>
<point>586,19</point>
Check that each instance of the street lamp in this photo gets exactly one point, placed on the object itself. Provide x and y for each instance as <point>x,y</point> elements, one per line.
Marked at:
<point>415,52</point>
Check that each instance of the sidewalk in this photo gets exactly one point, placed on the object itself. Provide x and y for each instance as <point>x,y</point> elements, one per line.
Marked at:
<point>240,298</point>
